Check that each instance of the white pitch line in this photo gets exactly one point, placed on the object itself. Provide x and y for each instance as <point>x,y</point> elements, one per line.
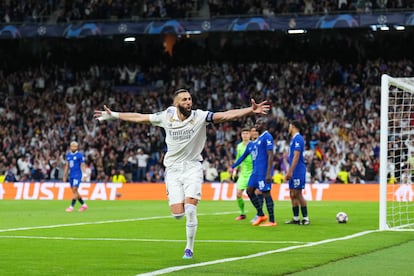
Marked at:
<point>77,224</point>
<point>145,240</point>
<point>182,267</point>
<point>99,222</point>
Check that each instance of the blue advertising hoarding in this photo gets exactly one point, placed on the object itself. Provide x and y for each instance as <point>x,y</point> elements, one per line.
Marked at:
<point>193,26</point>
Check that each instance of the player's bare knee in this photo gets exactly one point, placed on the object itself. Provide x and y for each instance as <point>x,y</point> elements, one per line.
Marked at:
<point>178,216</point>
<point>177,210</point>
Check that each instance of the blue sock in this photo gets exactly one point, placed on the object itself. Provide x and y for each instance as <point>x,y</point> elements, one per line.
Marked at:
<point>270,208</point>
<point>257,203</point>
<point>295,211</point>
<point>304,210</point>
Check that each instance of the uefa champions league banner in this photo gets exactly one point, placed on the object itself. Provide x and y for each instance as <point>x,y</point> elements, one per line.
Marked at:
<point>196,26</point>
<point>210,191</point>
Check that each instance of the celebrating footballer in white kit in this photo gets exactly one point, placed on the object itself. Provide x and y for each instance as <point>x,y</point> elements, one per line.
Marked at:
<point>185,138</point>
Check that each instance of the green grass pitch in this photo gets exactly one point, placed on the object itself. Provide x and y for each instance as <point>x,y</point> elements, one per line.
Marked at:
<point>138,237</point>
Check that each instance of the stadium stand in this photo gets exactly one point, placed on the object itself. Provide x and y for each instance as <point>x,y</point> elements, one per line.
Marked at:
<point>339,104</point>
<point>59,11</point>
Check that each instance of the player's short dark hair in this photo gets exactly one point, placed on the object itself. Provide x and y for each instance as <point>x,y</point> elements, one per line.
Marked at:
<point>262,119</point>
<point>179,91</point>
<point>246,128</point>
<point>297,125</point>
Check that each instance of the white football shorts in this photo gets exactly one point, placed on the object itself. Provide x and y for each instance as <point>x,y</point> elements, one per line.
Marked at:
<point>183,180</point>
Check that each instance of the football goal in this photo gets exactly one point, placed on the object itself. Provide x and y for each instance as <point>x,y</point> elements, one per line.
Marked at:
<point>397,154</point>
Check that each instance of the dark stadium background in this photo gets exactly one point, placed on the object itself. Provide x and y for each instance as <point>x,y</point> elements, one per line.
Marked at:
<point>341,42</point>
<point>343,45</point>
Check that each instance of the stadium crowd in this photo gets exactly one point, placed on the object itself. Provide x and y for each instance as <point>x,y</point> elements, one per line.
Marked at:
<point>46,108</point>
<point>53,11</point>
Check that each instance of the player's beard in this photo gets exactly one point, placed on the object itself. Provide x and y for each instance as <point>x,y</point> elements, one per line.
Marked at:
<point>184,111</point>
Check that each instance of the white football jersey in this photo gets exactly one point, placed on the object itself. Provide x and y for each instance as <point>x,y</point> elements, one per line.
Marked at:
<point>185,139</point>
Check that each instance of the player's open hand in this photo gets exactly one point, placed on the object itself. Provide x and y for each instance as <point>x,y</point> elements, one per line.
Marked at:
<point>234,175</point>
<point>103,115</point>
<point>260,108</point>
<point>288,176</point>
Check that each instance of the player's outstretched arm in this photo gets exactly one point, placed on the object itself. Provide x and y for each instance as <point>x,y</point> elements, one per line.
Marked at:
<point>255,108</point>
<point>239,160</point>
<point>107,114</point>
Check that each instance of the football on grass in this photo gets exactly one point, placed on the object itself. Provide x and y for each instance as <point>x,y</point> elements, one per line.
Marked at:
<point>342,217</point>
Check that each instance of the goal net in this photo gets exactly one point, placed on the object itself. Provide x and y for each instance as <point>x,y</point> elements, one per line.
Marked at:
<point>397,154</point>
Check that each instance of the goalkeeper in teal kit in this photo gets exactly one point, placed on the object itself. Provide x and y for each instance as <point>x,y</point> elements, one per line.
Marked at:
<point>243,172</point>
<point>260,181</point>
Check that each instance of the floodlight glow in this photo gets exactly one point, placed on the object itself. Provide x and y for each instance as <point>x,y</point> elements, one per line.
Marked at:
<point>129,39</point>
<point>296,31</point>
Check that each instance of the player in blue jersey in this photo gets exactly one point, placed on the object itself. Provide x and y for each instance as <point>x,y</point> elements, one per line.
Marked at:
<point>75,167</point>
<point>296,175</point>
<point>260,181</point>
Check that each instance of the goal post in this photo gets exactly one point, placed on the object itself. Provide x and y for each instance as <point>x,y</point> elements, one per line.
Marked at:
<point>383,154</point>
<point>396,154</point>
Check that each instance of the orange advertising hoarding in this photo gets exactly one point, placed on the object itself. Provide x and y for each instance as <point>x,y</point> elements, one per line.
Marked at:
<point>211,191</point>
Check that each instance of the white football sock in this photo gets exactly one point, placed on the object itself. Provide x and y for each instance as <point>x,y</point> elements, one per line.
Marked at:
<point>191,224</point>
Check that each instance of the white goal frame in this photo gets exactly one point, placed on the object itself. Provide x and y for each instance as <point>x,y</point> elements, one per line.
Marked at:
<point>405,85</point>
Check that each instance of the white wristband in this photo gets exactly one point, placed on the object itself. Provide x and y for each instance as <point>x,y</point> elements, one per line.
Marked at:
<point>105,116</point>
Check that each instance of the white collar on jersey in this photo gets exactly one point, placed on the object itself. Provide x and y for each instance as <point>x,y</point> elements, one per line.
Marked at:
<point>176,118</point>
<point>263,133</point>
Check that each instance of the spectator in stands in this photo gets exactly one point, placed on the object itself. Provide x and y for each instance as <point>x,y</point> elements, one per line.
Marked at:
<point>2,177</point>
<point>89,171</point>
<point>10,176</point>
<point>127,167</point>
<point>277,177</point>
<point>355,175</point>
<point>142,160</point>
<point>225,175</point>
<point>133,163</point>
<point>370,174</point>
<point>118,176</point>
<point>37,174</point>
<point>151,174</point>
<point>343,176</point>
<point>24,165</point>
<point>110,163</point>
<point>332,170</point>
<point>54,172</point>
<point>211,173</point>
